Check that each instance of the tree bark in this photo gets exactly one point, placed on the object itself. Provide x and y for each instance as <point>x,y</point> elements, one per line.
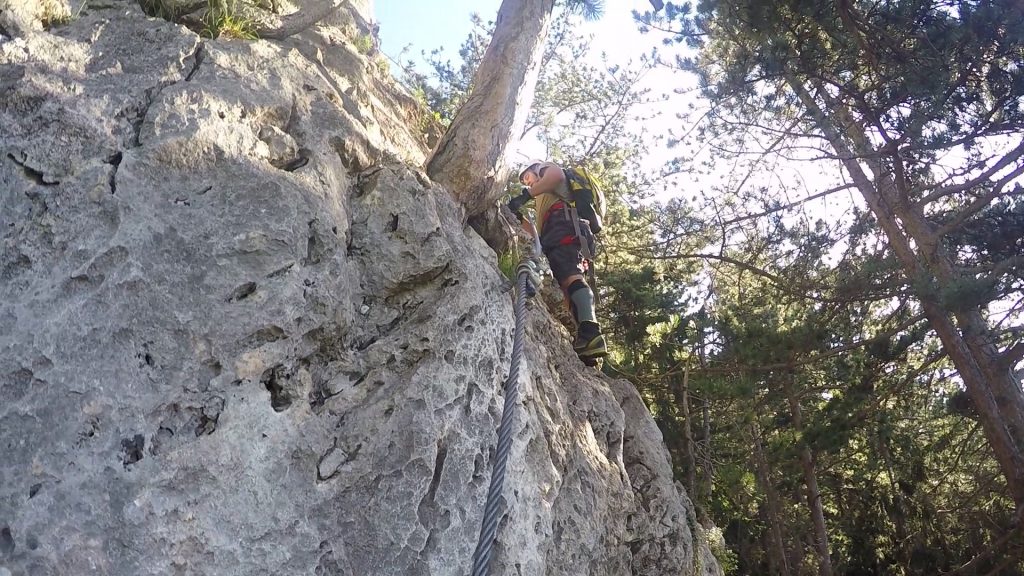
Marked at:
<point>707,460</point>
<point>470,158</point>
<point>688,449</point>
<point>778,564</point>
<point>810,483</point>
<point>898,511</point>
<point>965,335</point>
<point>707,480</point>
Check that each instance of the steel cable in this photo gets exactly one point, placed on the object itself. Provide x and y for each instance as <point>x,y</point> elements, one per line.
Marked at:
<point>482,555</point>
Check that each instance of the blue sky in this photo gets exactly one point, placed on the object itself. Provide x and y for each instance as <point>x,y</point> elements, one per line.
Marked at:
<point>428,25</point>
<point>425,26</point>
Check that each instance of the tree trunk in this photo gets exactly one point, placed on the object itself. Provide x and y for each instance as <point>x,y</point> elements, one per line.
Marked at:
<point>777,549</point>
<point>496,228</point>
<point>707,462</point>
<point>688,451</point>
<point>707,480</point>
<point>810,482</point>
<point>470,158</point>
<point>898,511</point>
<point>965,335</point>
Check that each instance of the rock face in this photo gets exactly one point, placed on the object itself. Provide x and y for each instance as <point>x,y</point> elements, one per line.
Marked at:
<point>18,16</point>
<point>241,333</point>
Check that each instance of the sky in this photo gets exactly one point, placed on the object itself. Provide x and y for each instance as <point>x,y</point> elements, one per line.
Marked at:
<point>428,25</point>
<point>424,26</point>
<point>445,24</point>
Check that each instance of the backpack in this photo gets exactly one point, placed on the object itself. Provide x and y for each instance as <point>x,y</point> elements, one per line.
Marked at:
<point>586,195</point>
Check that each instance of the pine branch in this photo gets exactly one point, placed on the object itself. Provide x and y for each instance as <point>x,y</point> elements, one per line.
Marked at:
<point>981,202</point>
<point>972,566</point>
<point>1003,162</point>
<point>812,359</point>
<point>793,204</point>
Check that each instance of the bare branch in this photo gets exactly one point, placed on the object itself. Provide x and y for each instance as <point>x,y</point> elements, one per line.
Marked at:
<point>618,110</point>
<point>793,204</point>
<point>1003,162</point>
<point>998,268</point>
<point>781,284</point>
<point>980,203</point>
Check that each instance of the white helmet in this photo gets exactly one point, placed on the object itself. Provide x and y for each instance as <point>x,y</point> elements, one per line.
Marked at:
<point>528,166</point>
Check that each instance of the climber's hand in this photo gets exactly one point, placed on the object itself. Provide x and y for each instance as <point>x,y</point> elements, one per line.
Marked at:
<point>517,202</point>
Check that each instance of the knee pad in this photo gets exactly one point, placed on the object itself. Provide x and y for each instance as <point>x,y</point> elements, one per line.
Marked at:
<point>576,285</point>
<point>582,300</point>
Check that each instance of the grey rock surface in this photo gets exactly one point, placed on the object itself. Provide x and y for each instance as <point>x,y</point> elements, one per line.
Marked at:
<point>240,333</point>
<point>22,16</point>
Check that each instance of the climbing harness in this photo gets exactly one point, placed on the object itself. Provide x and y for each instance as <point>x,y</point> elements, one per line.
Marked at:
<point>527,284</point>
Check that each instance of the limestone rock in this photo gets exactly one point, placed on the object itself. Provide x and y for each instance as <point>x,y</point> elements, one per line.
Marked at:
<point>240,333</point>
<point>24,16</point>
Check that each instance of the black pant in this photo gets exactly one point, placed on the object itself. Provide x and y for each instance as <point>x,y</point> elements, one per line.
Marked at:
<point>561,246</point>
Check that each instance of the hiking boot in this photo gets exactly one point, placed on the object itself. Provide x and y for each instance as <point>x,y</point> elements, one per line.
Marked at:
<point>589,343</point>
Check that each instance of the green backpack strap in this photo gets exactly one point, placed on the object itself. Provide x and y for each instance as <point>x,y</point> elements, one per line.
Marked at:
<point>573,176</point>
<point>587,196</point>
<point>573,216</point>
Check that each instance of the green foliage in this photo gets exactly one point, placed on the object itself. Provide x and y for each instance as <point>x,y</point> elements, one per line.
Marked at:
<point>363,43</point>
<point>507,263</point>
<point>588,9</point>
<point>224,20</point>
<point>827,306</point>
<point>429,120</point>
<point>727,559</point>
<point>382,64</point>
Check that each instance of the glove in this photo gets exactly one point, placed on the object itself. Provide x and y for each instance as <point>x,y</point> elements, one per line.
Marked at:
<point>517,202</point>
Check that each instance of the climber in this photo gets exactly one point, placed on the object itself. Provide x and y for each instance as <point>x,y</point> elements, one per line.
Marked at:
<point>568,243</point>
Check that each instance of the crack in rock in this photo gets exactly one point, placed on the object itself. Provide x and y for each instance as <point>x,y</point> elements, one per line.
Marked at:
<point>115,161</point>
<point>150,94</point>
<point>31,173</point>
<point>6,541</point>
<point>333,459</point>
<point>197,58</point>
<point>427,510</point>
